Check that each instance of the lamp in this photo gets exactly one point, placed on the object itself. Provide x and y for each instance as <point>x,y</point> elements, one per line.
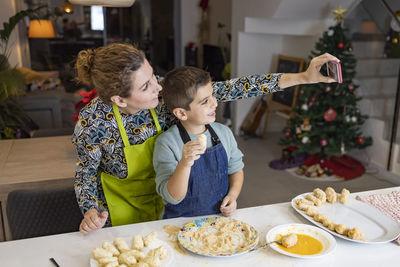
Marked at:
<point>41,29</point>
<point>115,3</point>
<point>67,7</point>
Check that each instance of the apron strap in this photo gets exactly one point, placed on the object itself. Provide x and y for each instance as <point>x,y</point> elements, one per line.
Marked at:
<point>182,131</point>
<point>154,115</point>
<point>214,137</point>
<point>121,127</point>
<point>186,138</point>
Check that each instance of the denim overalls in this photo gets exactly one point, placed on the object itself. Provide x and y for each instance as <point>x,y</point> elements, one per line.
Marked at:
<point>208,181</point>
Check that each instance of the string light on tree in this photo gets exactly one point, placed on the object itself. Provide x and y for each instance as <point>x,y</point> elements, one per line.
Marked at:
<point>324,142</point>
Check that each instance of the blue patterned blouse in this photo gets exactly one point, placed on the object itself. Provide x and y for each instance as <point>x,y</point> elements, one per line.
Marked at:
<point>99,144</point>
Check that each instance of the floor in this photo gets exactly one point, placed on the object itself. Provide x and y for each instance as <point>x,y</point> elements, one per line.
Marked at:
<point>264,185</point>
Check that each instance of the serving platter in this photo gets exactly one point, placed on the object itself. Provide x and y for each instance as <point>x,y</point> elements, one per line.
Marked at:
<point>164,263</point>
<point>377,226</point>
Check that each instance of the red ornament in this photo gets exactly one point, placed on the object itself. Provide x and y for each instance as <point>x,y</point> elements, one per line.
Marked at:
<point>330,114</point>
<point>360,140</point>
<point>351,87</point>
<point>288,133</point>
<point>324,142</point>
<point>340,45</point>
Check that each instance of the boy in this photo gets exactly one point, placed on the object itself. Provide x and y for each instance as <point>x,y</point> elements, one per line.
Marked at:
<point>193,177</point>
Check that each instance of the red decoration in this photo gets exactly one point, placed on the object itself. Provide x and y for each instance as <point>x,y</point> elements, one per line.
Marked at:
<point>330,114</point>
<point>288,133</point>
<point>204,5</point>
<point>340,45</point>
<point>351,87</point>
<point>344,166</point>
<point>87,97</point>
<point>324,142</point>
<point>360,140</point>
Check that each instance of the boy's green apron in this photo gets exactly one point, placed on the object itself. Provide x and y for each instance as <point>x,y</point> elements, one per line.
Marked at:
<point>134,199</point>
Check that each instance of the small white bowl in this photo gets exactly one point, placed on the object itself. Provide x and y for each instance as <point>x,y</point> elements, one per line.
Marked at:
<point>327,240</point>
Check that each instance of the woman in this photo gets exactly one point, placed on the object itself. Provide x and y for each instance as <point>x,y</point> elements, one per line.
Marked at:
<point>115,133</point>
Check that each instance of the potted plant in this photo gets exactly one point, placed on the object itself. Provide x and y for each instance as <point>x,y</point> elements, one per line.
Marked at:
<point>14,122</point>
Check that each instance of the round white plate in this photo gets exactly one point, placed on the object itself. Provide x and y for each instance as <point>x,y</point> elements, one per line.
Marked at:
<point>240,240</point>
<point>327,240</point>
<point>165,262</point>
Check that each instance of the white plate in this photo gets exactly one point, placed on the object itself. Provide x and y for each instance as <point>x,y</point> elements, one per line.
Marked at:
<point>327,240</point>
<point>165,262</point>
<point>377,226</point>
<point>241,243</point>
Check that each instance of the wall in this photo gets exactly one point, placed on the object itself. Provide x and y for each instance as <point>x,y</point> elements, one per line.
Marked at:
<point>6,11</point>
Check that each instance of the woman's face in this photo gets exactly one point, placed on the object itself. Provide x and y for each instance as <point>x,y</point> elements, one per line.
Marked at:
<point>145,89</point>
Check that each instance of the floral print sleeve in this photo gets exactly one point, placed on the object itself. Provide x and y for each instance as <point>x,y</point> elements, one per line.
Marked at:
<point>247,86</point>
<point>86,141</point>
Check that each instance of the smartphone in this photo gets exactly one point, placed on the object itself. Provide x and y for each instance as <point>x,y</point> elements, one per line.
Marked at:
<point>334,71</point>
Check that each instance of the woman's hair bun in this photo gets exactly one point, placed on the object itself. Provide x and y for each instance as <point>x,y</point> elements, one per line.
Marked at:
<point>84,65</point>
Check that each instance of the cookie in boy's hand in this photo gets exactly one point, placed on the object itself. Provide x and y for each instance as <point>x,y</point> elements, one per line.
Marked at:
<point>203,140</point>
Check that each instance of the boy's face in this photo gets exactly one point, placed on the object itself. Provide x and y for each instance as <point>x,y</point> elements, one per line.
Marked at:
<point>203,106</point>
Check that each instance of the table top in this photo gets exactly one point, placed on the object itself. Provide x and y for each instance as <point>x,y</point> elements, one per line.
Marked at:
<point>74,249</point>
<point>36,159</point>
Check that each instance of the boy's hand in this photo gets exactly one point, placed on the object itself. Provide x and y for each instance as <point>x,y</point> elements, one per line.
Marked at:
<point>191,151</point>
<point>228,205</point>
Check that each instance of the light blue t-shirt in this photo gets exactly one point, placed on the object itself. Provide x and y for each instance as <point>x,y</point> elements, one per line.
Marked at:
<point>168,152</point>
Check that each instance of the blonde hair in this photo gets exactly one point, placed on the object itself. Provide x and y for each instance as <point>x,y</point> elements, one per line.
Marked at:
<point>109,69</point>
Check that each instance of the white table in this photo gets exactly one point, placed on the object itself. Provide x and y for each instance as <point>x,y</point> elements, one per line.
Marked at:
<point>74,249</point>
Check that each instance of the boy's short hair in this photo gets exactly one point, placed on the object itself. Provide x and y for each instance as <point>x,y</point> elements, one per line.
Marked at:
<point>180,86</point>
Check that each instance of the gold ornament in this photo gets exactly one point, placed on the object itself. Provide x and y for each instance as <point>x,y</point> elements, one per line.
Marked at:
<point>339,13</point>
<point>395,40</point>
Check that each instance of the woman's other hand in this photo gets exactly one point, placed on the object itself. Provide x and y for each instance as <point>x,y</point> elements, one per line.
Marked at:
<point>92,220</point>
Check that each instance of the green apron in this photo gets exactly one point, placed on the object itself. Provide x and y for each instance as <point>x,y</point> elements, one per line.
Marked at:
<point>134,199</point>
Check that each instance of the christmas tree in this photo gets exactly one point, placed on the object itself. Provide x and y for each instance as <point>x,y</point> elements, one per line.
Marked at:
<point>326,118</point>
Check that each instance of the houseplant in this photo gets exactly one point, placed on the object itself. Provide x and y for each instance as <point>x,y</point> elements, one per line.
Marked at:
<point>14,122</point>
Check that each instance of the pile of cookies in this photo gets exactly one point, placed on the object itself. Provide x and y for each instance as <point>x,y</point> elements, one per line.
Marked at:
<point>319,197</point>
<point>122,255</point>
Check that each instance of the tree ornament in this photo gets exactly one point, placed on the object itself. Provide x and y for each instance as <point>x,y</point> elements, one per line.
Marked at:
<point>340,45</point>
<point>306,126</point>
<point>330,114</point>
<point>321,41</point>
<point>301,91</point>
<point>339,13</point>
<point>304,107</point>
<point>328,88</point>
<point>351,87</point>
<point>324,142</point>
<point>305,139</point>
<point>347,118</point>
<point>354,119</point>
<point>298,130</point>
<point>288,133</point>
<point>350,49</point>
<point>342,148</point>
<point>360,140</point>
<point>330,32</point>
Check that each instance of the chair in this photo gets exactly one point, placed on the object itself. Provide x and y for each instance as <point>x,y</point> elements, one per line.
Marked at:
<point>33,213</point>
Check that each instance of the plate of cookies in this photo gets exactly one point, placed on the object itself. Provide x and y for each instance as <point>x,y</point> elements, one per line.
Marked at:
<point>343,216</point>
<point>133,251</point>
